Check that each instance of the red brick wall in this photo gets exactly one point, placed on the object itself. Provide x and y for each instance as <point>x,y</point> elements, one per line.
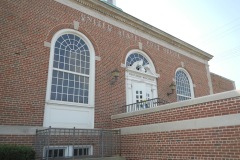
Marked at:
<point>24,61</point>
<point>221,84</point>
<point>26,140</point>
<point>209,109</point>
<point>207,143</point>
<point>200,144</point>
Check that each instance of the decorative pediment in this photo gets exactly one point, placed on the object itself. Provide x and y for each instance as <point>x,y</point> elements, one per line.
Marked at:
<point>139,67</point>
<point>139,63</point>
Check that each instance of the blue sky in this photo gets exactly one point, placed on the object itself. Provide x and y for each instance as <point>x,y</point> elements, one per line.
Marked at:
<point>210,25</point>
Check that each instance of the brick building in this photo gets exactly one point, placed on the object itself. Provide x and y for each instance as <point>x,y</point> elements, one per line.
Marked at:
<point>87,64</point>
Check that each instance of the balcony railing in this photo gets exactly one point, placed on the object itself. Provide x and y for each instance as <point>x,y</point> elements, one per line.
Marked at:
<point>62,143</point>
<point>143,105</point>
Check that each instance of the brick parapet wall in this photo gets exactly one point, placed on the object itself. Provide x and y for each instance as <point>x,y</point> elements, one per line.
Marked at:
<point>221,84</point>
<point>202,131</point>
<point>208,109</point>
<point>221,143</point>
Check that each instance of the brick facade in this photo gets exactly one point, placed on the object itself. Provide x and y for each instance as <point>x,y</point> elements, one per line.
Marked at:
<point>26,140</point>
<point>221,84</point>
<point>25,61</point>
<point>208,109</point>
<point>27,30</point>
<point>201,143</point>
<point>220,143</point>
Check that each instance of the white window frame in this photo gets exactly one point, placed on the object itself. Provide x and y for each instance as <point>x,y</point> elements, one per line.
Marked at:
<point>68,150</point>
<point>134,76</point>
<point>90,147</point>
<point>145,56</point>
<point>91,72</point>
<point>69,114</point>
<point>65,148</point>
<point>190,83</point>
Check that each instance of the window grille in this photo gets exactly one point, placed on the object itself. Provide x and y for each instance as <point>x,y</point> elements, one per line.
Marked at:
<point>183,87</point>
<point>62,143</point>
<point>136,57</point>
<point>71,70</point>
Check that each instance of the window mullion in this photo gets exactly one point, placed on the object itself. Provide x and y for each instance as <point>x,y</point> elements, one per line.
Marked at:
<point>80,74</point>
<point>71,70</point>
<point>183,96</point>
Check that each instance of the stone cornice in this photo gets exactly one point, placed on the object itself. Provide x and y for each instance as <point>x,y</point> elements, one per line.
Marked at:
<point>121,16</point>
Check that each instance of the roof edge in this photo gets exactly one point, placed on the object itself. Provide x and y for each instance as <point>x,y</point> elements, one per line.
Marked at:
<point>122,16</point>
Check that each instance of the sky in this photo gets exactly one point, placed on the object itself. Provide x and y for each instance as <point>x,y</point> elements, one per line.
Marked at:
<point>210,25</point>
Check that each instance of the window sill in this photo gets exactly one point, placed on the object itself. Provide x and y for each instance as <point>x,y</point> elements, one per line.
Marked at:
<point>69,104</point>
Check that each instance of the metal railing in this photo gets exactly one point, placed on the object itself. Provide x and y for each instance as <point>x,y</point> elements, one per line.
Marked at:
<point>143,105</point>
<point>62,143</point>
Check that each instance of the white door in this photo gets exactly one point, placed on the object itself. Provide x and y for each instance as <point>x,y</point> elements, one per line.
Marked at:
<point>139,92</point>
<point>149,92</point>
<point>139,95</point>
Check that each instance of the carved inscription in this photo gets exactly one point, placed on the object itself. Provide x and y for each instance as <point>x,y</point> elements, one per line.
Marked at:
<point>93,21</point>
<point>153,45</point>
<point>84,18</point>
<point>170,52</point>
<point>124,34</point>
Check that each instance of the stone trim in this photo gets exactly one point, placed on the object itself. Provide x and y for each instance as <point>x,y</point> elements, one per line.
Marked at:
<point>127,22</point>
<point>47,44</point>
<point>205,99</point>
<point>76,25</point>
<point>209,79</point>
<point>140,45</point>
<point>97,58</point>
<point>19,130</point>
<point>234,85</point>
<point>182,64</point>
<point>209,122</point>
<point>128,19</point>
<point>123,65</point>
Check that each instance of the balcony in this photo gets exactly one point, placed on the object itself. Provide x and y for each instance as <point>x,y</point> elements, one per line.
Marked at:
<point>62,143</point>
<point>143,105</point>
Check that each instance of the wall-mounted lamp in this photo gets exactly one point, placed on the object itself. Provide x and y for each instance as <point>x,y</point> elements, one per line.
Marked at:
<point>115,75</point>
<point>172,87</point>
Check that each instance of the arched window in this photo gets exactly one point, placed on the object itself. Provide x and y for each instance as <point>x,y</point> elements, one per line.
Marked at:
<point>184,86</point>
<point>134,57</point>
<point>71,68</point>
<point>141,84</point>
<point>70,81</point>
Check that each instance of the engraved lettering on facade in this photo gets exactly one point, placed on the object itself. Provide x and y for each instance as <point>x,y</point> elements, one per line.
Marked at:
<point>170,52</point>
<point>109,28</point>
<point>127,35</point>
<point>98,23</point>
<point>153,45</point>
<point>124,34</point>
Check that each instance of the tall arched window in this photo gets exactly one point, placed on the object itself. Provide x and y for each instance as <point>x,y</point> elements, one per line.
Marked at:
<point>184,86</point>
<point>141,83</point>
<point>71,66</point>
<point>70,80</point>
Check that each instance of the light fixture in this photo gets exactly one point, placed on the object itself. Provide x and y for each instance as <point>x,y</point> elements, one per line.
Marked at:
<point>115,75</point>
<point>172,87</point>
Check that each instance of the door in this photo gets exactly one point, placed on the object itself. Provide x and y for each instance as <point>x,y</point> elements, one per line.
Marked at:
<point>149,92</point>
<point>138,92</point>
<point>141,92</point>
